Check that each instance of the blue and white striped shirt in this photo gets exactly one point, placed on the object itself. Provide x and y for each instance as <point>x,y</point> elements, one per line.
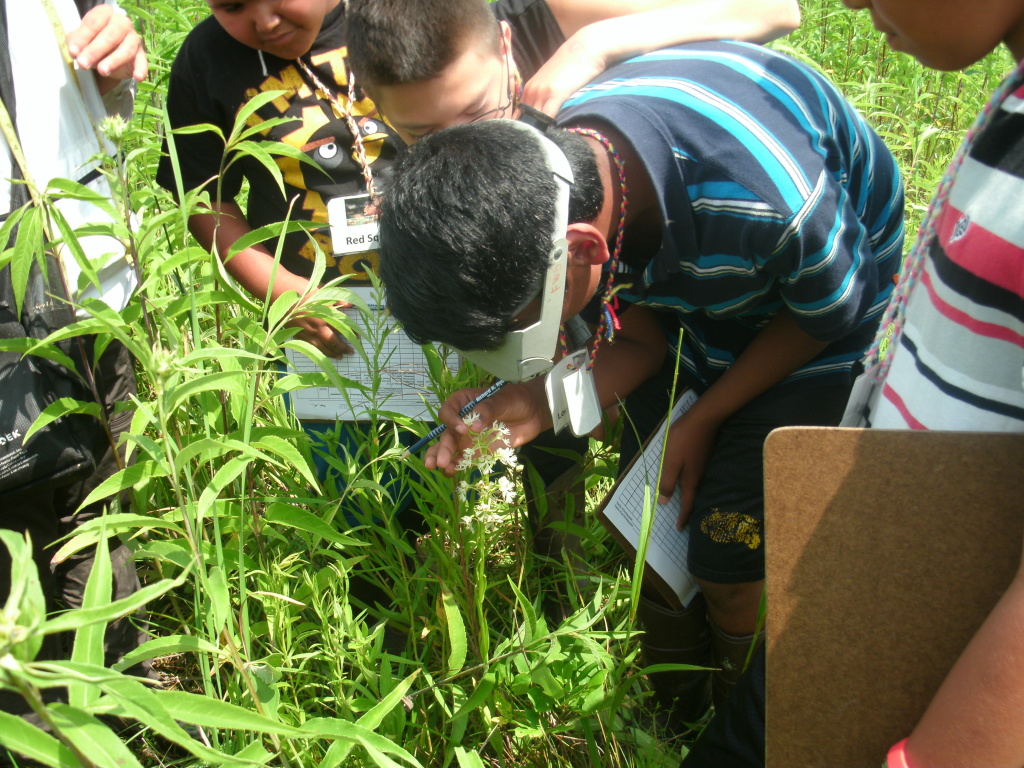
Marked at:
<point>774,193</point>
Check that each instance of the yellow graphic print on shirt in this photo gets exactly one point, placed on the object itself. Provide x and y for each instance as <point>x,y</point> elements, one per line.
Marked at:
<point>732,528</point>
<point>321,132</point>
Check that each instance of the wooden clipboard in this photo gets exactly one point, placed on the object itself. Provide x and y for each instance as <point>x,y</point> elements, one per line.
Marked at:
<point>885,551</point>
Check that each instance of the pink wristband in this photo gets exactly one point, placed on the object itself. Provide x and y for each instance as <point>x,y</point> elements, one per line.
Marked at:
<point>897,757</point>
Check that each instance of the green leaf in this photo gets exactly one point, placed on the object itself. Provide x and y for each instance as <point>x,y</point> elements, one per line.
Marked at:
<point>479,695</point>
<point>25,600</point>
<point>25,739</point>
<point>371,720</point>
<point>91,531</point>
<point>528,613</point>
<point>92,738</point>
<point>135,700</point>
<point>72,244</point>
<point>224,477</point>
<point>29,346</point>
<point>165,646</point>
<point>27,248</point>
<point>268,232</point>
<point>218,598</point>
<point>58,409</point>
<point>214,713</point>
<point>343,729</point>
<point>232,381</point>
<point>106,613</point>
<point>129,477</point>
<point>88,648</point>
<point>209,448</point>
<point>288,451</point>
<point>468,759</point>
<point>250,108</point>
<point>456,632</point>
<point>256,753</point>
<point>290,516</point>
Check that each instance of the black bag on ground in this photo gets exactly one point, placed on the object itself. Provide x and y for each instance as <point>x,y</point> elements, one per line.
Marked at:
<point>64,450</point>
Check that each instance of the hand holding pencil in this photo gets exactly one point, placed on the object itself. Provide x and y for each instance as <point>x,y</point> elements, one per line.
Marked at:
<point>522,407</point>
<point>463,411</point>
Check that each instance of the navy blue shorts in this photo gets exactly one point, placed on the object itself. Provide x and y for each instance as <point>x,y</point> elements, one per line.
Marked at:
<point>727,525</point>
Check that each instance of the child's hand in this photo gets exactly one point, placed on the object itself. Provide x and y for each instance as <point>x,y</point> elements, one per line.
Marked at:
<point>690,442</point>
<point>516,407</point>
<point>107,42</point>
<point>321,335</point>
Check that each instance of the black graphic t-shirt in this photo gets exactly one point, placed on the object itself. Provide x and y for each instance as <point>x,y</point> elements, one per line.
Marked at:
<point>214,76</point>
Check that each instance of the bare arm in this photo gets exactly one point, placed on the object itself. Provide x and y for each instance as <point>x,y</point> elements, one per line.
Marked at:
<point>600,33</point>
<point>779,349</point>
<point>977,716</point>
<point>253,268</point>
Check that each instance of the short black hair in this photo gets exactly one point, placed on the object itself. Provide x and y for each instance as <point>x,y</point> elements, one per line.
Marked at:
<point>394,42</point>
<point>466,228</point>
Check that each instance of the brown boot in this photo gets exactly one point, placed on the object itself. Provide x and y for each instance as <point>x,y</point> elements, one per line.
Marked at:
<point>677,637</point>
<point>731,653</point>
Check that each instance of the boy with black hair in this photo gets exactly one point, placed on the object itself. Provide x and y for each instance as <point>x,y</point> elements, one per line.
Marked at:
<point>740,200</point>
<point>253,46</point>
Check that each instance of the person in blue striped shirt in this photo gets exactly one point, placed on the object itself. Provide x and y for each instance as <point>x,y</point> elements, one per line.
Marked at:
<point>762,225</point>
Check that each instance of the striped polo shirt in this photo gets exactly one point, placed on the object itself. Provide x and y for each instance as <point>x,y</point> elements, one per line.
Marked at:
<point>959,363</point>
<point>774,193</point>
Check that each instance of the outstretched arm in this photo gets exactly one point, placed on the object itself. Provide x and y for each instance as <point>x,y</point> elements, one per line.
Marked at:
<point>977,716</point>
<point>600,33</point>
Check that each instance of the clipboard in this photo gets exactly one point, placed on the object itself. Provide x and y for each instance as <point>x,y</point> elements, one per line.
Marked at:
<point>885,551</point>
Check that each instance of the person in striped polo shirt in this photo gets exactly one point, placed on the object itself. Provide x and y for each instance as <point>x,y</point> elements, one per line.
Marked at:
<point>957,350</point>
<point>761,223</point>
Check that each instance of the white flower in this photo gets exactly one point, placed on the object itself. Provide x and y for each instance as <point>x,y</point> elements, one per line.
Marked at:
<point>502,429</point>
<point>507,456</point>
<point>470,417</point>
<point>507,489</point>
<point>462,490</point>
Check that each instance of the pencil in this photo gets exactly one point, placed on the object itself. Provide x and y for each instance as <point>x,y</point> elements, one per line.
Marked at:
<point>467,408</point>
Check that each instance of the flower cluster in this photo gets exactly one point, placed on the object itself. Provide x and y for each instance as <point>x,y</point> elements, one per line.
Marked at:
<point>487,488</point>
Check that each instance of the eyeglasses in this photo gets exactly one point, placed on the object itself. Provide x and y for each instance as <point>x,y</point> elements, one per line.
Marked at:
<point>511,99</point>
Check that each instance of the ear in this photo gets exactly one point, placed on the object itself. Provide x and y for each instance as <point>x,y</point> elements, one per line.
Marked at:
<point>505,38</point>
<point>587,246</point>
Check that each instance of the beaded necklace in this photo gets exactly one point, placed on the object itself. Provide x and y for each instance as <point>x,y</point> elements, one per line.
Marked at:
<point>344,110</point>
<point>609,303</point>
<point>895,311</point>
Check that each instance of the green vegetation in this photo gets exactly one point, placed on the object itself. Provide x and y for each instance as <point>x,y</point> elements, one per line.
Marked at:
<point>271,654</point>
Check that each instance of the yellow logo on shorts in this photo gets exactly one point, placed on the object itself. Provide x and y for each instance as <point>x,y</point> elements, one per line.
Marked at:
<point>732,528</point>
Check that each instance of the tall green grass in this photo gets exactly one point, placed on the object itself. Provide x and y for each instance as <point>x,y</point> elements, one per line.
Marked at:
<point>440,652</point>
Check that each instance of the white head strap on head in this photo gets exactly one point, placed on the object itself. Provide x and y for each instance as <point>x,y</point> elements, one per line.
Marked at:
<point>529,352</point>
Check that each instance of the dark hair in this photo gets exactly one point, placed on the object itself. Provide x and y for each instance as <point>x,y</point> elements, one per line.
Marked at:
<point>394,42</point>
<point>466,228</point>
